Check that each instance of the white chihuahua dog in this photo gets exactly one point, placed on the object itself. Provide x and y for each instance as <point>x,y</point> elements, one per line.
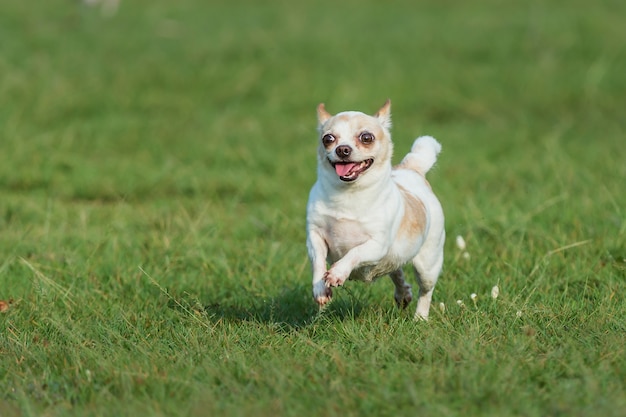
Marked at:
<point>367,218</point>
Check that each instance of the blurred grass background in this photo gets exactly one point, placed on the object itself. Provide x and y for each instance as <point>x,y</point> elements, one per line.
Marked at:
<point>155,161</point>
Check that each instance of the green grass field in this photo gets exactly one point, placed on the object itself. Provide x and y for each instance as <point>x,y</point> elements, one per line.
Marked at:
<point>155,163</point>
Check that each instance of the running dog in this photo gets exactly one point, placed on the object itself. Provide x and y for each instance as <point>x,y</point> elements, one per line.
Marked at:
<point>366,218</point>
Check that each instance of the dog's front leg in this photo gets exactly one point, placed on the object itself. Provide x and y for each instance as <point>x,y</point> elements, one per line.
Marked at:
<point>318,251</point>
<point>369,252</point>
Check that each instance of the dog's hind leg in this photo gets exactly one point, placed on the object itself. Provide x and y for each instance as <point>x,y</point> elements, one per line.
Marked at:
<point>429,260</point>
<point>427,270</point>
<point>402,294</point>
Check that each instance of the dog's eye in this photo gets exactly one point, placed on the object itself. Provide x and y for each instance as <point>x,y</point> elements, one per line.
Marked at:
<point>366,138</point>
<point>327,139</point>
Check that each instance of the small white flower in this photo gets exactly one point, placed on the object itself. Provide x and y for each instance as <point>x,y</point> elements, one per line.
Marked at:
<point>460,303</point>
<point>518,314</point>
<point>460,242</point>
<point>495,291</point>
<point>442,307</point>
<point>466,255</point>
<point>473,296</point>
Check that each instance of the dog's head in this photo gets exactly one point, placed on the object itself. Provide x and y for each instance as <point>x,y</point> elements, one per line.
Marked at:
<point>354,145</point>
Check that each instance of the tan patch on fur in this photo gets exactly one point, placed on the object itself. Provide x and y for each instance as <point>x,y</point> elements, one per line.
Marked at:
<point>322,114</point>
<point>384,110</point>
<point>404,165</point>
<point>343,117</point>
<point>379,136</point>
<point>414,219</point>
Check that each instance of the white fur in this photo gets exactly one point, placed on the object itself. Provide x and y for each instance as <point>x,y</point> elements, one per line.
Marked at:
<point>356,226</point>
<point>423,154</point>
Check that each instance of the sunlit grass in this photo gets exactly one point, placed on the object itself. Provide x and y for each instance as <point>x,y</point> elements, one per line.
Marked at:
<point>154,169</point>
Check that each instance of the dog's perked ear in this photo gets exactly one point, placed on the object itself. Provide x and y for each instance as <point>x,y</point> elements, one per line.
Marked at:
<point>384,114</point>
<point>322,114</point>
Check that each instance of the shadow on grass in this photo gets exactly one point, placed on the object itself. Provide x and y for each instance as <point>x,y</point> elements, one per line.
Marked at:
<point>292,308</point>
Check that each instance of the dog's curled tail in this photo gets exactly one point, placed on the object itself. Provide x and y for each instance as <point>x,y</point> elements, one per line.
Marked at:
<point>423,155</point>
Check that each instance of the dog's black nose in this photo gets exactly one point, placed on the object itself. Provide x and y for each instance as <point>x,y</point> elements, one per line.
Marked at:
<point>343,151</point>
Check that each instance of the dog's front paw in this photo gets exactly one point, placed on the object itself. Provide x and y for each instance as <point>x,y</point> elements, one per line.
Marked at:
<point>322,294</point>
<point>333,278</point>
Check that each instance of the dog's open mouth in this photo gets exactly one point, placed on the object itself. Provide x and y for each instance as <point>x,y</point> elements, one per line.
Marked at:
<point>350,171</point>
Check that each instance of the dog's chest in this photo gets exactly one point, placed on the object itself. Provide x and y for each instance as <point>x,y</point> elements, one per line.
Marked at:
<point>342,235</point>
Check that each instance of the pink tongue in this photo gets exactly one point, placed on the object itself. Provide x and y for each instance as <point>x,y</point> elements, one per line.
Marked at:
<point>343,169</point>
